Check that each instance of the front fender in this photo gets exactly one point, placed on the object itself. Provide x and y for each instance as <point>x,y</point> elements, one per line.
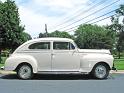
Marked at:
<point>88,61</point>
<point>13,61</point>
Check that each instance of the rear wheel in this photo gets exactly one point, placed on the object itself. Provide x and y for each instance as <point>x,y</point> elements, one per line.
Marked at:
<point>25,72</point>
<point>100,71</point>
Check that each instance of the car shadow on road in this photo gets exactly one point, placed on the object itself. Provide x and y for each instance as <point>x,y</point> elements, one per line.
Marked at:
<point>62,77</point>
<point>53,77</point>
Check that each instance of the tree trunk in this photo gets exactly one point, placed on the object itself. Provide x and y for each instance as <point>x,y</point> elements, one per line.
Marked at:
<point>119,55</point>
<point>0,56</point>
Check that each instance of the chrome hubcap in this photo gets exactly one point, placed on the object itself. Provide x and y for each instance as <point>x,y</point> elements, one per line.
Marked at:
<point>100,71</point>
<point>25,72</point>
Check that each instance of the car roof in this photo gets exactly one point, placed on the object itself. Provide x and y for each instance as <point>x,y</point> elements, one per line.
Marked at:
<point>43,39</point>
<point>50,39</point>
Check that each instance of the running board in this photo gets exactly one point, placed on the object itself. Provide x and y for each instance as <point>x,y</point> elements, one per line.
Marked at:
<point>61,72</point>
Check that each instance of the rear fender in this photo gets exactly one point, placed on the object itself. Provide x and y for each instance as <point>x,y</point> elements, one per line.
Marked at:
<point>15,60</point>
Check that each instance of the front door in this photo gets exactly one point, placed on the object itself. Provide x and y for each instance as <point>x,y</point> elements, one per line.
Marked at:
<point>64,57</point>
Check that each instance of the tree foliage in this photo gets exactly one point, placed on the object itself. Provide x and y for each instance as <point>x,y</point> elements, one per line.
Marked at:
<point>61,34</point>
<point>57,34</point>
<point>41,35</point>
<point>94,37</point>
<point>11,31</point>
<point>26,37</point>
<point>118,27</point>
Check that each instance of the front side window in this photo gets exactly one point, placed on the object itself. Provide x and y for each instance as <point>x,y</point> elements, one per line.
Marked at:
<point>72,46</point>
<point>63,46</point>
<point>40,45</point>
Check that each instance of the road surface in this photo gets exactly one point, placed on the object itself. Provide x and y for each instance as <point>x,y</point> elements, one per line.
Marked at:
<point>62,84</point>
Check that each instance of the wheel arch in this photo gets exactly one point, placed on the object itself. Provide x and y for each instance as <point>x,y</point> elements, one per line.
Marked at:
<point>23,63</point>
<point>34,69</point>
<point>93,73</point>
<point>102,62</point>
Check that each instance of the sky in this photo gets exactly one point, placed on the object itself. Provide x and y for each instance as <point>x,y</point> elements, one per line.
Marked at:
<point>59,14</point>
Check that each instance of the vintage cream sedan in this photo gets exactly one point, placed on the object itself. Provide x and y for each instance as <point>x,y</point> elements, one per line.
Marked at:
<point>58,56</point>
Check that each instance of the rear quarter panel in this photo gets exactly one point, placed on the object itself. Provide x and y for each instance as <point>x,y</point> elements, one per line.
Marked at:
<point>13,61</point>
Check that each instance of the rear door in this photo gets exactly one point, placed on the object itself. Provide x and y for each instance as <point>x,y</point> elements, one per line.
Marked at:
<point>41,51</point>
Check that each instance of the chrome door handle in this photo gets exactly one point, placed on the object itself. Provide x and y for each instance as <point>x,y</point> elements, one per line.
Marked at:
<point>52,54</point>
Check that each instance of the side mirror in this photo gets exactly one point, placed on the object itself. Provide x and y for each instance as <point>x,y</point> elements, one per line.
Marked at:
<point>74,51</point>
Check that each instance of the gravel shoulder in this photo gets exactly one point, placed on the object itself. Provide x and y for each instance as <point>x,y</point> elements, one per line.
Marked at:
<point>7,72</point>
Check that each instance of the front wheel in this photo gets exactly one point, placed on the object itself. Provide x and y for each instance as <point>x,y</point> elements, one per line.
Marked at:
<point>100,71</point>
<point>25,72</point>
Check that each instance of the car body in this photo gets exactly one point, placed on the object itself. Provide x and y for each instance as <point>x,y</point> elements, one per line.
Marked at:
<point>58,55</point>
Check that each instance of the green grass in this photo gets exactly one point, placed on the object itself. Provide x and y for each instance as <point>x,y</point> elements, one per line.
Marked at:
<point>3,60</point>
<point>1,65</point>
<point>119,64</point>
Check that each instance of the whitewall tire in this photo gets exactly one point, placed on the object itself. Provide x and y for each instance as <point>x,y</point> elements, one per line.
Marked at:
<point>25,72</point>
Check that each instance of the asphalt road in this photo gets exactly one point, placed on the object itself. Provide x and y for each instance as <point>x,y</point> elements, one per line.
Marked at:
<point>62,84</point>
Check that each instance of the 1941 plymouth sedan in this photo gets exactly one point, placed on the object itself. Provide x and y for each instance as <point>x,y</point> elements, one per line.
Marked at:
<point>58,56</point>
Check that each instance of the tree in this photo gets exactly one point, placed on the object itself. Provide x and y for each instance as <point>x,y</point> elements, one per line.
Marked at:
<point>118,27</point>
<point>60,34</point>
<point>41,35</point>
<point>11,32</point>
<point>94,37</point>
<point>57,34</point>
<point>26,37</point>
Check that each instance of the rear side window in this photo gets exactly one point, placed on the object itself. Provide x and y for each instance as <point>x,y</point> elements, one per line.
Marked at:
<point>40,45</point>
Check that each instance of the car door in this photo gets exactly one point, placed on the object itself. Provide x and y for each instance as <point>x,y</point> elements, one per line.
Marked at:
<point>65,57</point>
<point>41,51</point>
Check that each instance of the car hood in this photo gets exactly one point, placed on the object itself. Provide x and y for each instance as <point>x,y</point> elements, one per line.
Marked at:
<point>100,51</point>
